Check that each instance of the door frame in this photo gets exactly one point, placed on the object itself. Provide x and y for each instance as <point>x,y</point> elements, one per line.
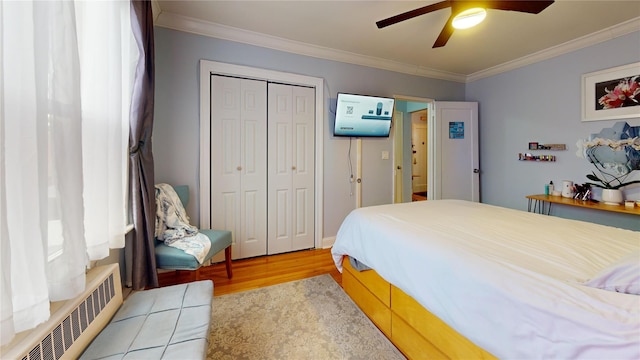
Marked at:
<point>431,142</point>
<point>398,156</point>
<point>414,131</point>
<point>207,68</point>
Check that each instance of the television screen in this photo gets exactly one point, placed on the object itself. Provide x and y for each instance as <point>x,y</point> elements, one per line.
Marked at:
<point>363,115</point>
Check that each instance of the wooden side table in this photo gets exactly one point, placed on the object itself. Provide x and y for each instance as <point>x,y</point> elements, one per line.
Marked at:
<point>542,204</point>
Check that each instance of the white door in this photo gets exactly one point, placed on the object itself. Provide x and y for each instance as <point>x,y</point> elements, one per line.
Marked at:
<point>457,166</point>
<point>291,124</point>
<point>397,155</point>
<point>239,162</point>
<point>419,151</point>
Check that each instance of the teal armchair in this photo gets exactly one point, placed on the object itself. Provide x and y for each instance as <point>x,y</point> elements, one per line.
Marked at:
<point>170,258</point>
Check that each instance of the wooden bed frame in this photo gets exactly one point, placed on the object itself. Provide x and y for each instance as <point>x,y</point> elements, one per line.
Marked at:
<point>416,332</point>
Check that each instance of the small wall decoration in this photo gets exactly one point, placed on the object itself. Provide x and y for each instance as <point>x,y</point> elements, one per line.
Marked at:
<point>456,130</point>
<point>611,94</point>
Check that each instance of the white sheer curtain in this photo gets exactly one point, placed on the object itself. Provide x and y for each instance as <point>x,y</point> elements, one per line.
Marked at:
<point>66,78</point>
<point>107,61</point>
<point>25,306</point>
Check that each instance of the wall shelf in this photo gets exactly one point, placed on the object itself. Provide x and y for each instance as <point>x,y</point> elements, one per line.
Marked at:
<point>554,147</point>
<point>539,158</point>
<point>535,146</point>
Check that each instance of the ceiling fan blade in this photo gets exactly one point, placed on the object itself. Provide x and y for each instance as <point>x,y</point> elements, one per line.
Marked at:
<point>413,13</point>
<point>532,7</point>
<point>445,34</point>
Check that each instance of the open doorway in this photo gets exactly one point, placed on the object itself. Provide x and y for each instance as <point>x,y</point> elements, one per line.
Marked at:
<point>408,138</point>
<point>419,154</point>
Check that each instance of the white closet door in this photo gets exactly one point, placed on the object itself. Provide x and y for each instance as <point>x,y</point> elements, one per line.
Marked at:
<point>238,162</point>
<point>303,176</point>
<point>291,124</point>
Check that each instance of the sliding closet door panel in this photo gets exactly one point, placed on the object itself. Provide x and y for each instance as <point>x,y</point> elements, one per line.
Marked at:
<point>253,143</point>
<point>304,163</point>
<point>238,168</point>
<point>226,129</point>
<point>290,156</point>
<point>280,169</point>
<point>225,155</point>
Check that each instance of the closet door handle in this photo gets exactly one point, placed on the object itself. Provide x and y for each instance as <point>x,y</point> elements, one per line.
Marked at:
<point>239,168</point>
<point>293,168</point>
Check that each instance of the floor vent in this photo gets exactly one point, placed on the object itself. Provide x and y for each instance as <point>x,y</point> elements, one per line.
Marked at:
<point>74,324</point>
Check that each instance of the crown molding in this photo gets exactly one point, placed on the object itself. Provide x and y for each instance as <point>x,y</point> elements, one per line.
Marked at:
<point>155,10</point>
<point>621,29</point>
<point>200,27</point>
<point>205,28</point>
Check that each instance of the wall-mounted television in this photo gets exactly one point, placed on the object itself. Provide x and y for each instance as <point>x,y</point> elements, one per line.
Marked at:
<point>363,115</point>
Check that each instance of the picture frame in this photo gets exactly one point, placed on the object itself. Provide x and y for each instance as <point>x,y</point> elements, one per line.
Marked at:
<point>593,90</point>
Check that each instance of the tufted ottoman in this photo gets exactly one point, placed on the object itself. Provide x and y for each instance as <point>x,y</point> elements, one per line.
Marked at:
<point>165,323</point>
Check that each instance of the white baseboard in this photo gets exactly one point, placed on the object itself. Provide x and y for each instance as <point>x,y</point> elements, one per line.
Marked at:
<point>328,242</point>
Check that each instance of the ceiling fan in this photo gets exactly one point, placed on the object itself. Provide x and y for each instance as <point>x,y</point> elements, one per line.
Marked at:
<point>458,6</point>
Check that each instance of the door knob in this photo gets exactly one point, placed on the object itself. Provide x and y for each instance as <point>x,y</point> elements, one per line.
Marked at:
<point>476,171</point>
<point>239,168</point>
<point>293,168</point>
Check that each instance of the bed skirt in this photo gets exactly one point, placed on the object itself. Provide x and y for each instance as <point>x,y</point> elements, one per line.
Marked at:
<point>416,332</point>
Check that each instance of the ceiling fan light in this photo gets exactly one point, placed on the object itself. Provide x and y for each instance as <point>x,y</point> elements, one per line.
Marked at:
<point>469,18</point>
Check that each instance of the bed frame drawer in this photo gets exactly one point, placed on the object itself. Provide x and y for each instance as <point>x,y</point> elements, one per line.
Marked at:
<point>413,330</point>
<point>377,311</point>
<point>413,345</point>
<point>372,281</point>
<point>441,335</point>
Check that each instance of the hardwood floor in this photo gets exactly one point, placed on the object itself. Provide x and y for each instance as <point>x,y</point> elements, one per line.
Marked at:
<point>260,271</point>
<point>418,197</point>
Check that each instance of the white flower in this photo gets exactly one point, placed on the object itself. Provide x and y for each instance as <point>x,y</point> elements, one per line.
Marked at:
<point>581,148</point>
<point>616,145</point>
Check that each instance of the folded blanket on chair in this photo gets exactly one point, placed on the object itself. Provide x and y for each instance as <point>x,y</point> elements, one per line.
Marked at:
<point>172,224</point>
<point>197,245</point>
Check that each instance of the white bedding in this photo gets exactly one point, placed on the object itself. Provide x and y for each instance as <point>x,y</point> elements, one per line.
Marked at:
<point>508,280</point>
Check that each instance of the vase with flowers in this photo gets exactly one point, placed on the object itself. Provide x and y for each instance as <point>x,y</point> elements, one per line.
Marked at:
<point>615,153</point>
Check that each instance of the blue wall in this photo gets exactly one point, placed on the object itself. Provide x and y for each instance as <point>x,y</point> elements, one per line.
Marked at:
<point>542,102</point>
<point>176,126</point>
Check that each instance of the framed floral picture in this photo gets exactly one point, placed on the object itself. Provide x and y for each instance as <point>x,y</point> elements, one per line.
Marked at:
<point>611,94</point>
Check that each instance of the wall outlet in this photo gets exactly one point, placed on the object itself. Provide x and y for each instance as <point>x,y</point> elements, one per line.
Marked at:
<point>385,155</point>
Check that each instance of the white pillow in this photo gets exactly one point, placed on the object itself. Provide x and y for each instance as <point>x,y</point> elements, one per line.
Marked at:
<point>621,276</point>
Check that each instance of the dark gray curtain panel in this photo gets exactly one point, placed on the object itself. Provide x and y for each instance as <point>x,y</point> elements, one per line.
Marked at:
<point>141,171</point>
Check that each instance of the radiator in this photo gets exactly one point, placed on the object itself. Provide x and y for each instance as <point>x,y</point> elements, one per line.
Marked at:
<point>73,323</point>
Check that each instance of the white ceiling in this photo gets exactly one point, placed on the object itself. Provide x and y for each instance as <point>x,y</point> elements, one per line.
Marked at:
<point>346,31</point>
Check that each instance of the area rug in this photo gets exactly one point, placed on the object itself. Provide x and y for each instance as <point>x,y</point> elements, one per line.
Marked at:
<point>305,319</point>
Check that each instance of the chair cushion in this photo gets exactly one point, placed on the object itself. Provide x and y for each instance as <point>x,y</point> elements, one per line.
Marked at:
<point>183,193</point>
<point>168,257</point>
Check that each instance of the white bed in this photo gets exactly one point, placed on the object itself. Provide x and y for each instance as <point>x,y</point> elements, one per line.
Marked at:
<point>518,285</point>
